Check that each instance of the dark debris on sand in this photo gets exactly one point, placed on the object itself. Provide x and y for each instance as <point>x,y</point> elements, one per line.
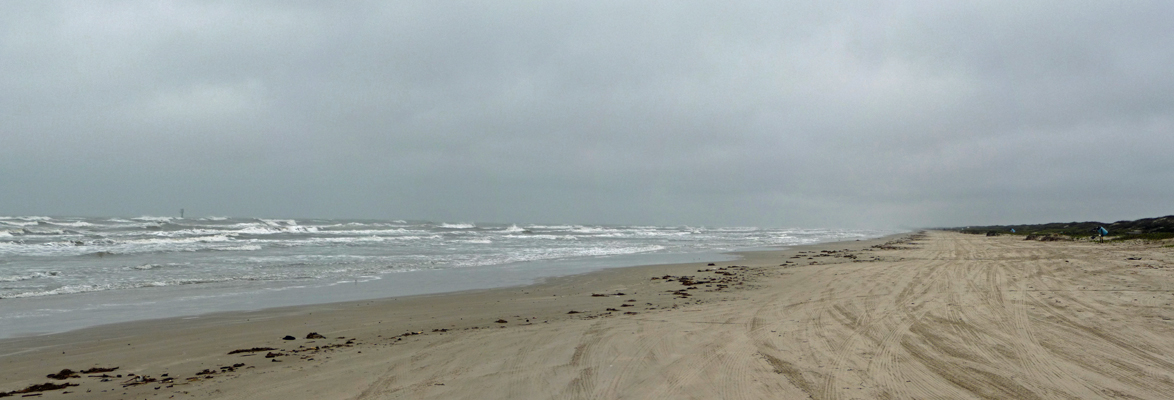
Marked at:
<point>38,388</point>
<point>63,375</point>
<point>96,370</point>
<point>252,350</point>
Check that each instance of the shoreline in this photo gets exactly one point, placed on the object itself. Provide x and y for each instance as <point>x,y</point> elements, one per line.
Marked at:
<point>64,273</point>
<point>933,315</point>
<point>84,310</point>
<point>186,302</point>
<point>569,292</point>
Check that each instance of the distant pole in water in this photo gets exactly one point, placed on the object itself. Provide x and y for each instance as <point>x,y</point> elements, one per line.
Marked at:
<point>181,213</point>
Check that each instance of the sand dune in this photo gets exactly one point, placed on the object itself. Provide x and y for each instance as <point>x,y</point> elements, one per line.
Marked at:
<point>942,315</point>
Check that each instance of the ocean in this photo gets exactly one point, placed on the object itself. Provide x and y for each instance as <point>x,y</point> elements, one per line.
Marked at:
<point>64,273</point>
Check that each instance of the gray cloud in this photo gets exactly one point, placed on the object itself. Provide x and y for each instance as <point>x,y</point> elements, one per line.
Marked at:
<point>773,114</point>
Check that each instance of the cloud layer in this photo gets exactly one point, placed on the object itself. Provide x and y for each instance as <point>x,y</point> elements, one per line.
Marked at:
<point>838,114</point>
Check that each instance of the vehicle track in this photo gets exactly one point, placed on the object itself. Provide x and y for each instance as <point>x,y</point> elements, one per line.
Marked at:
<point>952,316</point>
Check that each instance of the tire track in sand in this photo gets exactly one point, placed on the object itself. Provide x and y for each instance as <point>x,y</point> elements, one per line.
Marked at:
<point>580,386</point>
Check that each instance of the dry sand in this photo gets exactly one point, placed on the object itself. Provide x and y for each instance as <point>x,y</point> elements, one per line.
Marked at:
<point>943,315</point>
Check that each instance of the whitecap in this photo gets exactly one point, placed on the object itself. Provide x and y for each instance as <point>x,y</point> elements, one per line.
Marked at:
<point>248,247</point>
<point>34,275</point>
<point>153,219</point>
<point>272,229</point>
<point>19,223</point>
<point>551,227</point>
<point>33,218</point>
<point>75,224</point>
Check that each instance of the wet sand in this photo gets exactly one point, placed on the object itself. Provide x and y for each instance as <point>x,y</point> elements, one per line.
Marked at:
<point>943,315</point>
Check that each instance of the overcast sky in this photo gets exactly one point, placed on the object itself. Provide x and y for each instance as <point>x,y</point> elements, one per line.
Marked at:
<point>773,113</point>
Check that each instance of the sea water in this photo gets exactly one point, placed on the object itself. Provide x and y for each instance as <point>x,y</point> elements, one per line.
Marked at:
<point>60,273</point>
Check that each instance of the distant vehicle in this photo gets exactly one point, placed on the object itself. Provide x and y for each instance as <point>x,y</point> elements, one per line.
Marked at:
<point>1102,232</point>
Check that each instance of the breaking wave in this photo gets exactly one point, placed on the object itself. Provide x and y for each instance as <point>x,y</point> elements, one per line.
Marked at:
<point>43,256</point>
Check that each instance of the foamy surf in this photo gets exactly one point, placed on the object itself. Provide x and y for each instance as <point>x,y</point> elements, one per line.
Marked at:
<point>215,262</point>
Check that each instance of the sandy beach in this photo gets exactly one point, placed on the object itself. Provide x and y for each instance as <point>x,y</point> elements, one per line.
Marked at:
<point>933,315</point>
